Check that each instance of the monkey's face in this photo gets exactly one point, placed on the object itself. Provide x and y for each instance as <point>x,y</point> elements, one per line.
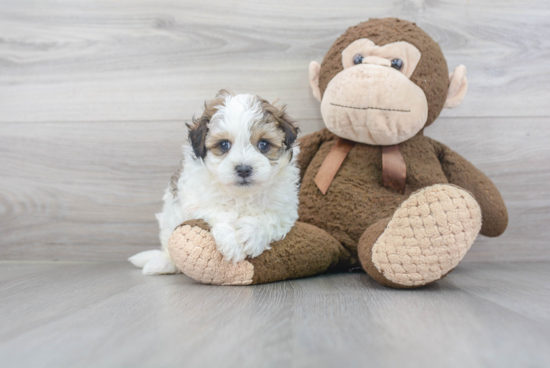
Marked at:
<point>372,100</point>
<point>383,81</point>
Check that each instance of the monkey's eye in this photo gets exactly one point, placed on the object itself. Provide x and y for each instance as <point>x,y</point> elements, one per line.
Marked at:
<point>397,64</point>
<point>358,59</point>
<point>263,145</point>
<point>225,146</point>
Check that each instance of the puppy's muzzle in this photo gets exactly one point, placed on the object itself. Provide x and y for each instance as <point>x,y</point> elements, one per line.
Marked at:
<point>244,171</point>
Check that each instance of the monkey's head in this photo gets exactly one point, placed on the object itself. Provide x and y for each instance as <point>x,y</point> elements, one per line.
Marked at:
<point>383,81</point>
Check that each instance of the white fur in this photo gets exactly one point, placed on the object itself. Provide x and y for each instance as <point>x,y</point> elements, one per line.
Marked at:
<point>139,260</point>
<point>244,219</point>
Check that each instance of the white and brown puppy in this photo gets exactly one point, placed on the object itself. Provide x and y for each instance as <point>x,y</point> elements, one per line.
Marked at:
<point>239,175</point>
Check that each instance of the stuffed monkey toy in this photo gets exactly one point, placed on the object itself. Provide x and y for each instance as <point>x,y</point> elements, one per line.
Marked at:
<point>376,193</point>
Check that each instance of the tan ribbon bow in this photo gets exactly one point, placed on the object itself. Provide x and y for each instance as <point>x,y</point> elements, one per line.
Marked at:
<point>394,169</point>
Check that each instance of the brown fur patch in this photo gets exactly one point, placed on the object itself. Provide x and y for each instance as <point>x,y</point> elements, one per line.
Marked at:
<point>279,118</point>
<point>213,141</point>
<point>431,73</point>
<point>276,127</point>
<point>198,223</point>
<point>174,180</point>
<point>268,130</point>
<point>199,129</point>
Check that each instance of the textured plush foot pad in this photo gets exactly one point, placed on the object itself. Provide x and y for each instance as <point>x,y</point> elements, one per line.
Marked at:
<point>194,252</point>
<point>428,236</point>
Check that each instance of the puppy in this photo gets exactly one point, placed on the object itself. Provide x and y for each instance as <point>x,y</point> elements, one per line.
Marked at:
<point>239,175</point>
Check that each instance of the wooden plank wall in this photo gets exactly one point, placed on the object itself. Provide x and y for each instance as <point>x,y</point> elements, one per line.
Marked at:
<point>94,95</point>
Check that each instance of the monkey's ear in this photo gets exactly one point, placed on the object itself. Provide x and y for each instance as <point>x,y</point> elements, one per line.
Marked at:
<point>314,71</point>
<point>457,87</point>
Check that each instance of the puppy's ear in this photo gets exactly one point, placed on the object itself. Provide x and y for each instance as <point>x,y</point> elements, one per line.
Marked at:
<point>197,135</point>
<point>289,127</point>
<point>224,93</point>
<point>199,129</point>
<point>286,124</point>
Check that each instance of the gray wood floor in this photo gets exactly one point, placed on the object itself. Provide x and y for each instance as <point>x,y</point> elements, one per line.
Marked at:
<point>109,315</point>
<point>94,95</point>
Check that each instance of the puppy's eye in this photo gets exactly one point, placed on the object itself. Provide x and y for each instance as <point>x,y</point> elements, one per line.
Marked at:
<point>358,59</point>
<point>225,146</point>
<point>263,146</point>
<point>397,64</point>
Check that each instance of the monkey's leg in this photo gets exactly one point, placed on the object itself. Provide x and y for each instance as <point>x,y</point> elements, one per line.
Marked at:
<point>305,251</point>
<point>426,238</point>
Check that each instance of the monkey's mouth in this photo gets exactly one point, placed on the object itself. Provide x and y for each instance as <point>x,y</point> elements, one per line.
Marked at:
<point>369,108</point>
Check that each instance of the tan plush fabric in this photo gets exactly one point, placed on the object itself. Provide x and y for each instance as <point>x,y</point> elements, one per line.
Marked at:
<point>332,163</point>
<point>365,47</point>
<point>194,252</point>
<point>427,236</point>
<point>305,251</point>
<point>457,88</point>
<point>355,107</point>
<point>431,73</point>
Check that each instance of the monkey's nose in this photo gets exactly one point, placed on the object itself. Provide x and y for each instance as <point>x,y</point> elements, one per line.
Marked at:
<point>375,60</point>
<point>244,171</point>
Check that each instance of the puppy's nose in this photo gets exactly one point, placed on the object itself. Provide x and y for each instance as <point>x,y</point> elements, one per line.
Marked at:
<point>243,171</point>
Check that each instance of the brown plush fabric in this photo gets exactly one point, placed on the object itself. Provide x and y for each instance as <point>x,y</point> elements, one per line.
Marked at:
<point>462,173</point>
<point>199,223</point>
<point>305,251</point>
<point>309,145</point>
<point>358,199</point>
<point>431,73</point>
<point>364,247</point>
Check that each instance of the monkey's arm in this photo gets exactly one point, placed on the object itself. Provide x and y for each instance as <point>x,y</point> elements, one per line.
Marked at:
<point>462,173</point>
<point>309,145</point>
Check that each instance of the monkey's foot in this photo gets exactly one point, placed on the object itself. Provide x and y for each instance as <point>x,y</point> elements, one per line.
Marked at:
<point>426,238</point>
<point>193,249</point>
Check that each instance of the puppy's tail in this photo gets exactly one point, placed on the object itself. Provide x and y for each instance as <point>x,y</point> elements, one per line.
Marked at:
<point>154,262</point>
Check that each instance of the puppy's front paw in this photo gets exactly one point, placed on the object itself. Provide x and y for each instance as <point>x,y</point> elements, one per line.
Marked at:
<point>252,236</point>
<point>193,250</point>
<point>227,244</point>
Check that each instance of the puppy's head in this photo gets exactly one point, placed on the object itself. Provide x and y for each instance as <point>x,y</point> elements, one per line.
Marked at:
<point>243,140</point>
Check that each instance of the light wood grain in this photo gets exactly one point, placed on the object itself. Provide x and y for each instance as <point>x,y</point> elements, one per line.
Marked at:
<point>99,60</point>
<point>80,191</point>
<point>109,315</point>
<point>94,95</point>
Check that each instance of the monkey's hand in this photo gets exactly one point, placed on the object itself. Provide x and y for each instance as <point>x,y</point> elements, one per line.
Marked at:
<point>462,173</point>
